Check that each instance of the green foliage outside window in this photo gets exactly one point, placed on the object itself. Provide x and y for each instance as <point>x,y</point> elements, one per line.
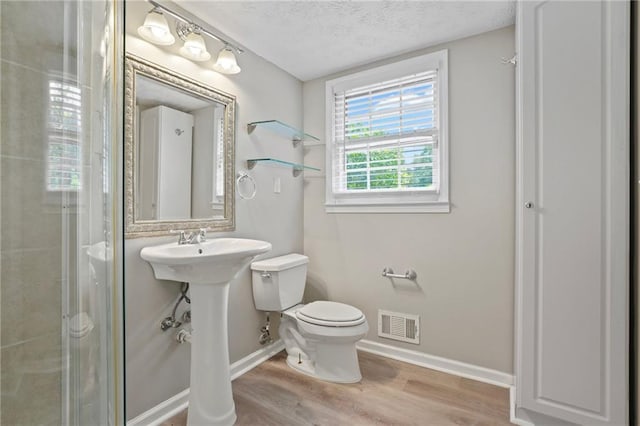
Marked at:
<point>387,168</point>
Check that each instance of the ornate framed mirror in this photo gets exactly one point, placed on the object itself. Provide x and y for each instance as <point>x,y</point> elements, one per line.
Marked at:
<point>179,152</point>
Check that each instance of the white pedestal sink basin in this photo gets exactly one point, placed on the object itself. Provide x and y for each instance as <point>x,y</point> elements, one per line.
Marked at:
<point>208,267</point>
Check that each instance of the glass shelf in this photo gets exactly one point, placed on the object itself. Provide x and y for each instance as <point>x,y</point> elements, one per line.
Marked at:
<point>296,168</point>
<point>284,129</point>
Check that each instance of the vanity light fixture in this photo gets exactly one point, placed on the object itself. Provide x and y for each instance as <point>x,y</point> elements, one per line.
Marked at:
<point>156,29</point>
<point>194,47</point>
<point>226,63</point>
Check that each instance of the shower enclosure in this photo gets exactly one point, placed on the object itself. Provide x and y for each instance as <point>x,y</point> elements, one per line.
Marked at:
<point>59,70</point>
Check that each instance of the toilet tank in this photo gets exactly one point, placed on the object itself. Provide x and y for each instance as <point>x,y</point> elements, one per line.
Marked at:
<point>278,283</point>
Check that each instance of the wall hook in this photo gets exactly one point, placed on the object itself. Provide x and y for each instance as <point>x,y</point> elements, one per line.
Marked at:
<point>513,61</point>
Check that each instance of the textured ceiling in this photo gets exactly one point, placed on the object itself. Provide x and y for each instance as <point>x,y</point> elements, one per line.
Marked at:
<point>311,39</point>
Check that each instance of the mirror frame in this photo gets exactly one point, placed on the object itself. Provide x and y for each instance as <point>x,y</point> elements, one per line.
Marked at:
<point>146,228</point>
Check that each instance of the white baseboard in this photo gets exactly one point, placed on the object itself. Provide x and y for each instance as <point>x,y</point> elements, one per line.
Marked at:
<point>469,371</point>
<point>163,411</point>
<point>512,409</point>
<point>177,403</point>
<point>256,358</point>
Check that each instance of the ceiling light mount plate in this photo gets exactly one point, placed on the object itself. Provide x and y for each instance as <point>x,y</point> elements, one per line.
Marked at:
<point>183,30</point>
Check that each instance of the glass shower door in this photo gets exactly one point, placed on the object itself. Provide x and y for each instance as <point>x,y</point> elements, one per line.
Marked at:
<point>56,212</point>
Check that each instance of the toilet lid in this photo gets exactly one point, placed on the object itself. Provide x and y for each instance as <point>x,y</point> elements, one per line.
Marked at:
<point>331,314</point>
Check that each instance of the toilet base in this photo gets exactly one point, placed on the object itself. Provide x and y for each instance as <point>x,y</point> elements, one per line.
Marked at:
<point>326,353</point>
<point>307,367</point>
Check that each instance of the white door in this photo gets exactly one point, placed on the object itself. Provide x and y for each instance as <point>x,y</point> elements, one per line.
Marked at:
<point>175,145</point>
<point>573,211</point>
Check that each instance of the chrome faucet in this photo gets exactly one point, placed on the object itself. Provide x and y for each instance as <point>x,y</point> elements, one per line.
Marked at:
<point>194,237</point>
<point>199,237</point>
<point>182,239</point>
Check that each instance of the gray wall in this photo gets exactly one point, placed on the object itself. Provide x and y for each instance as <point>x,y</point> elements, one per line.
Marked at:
<point>157,367</point>
<point>464,259</point>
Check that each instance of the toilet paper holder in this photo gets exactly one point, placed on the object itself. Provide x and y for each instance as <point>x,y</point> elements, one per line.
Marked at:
<point>410,274</point>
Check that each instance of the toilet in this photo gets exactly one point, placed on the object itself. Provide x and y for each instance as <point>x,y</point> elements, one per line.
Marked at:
<point>319,337</point>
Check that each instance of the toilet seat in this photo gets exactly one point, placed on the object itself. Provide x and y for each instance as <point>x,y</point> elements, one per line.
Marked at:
<point>331,314</point>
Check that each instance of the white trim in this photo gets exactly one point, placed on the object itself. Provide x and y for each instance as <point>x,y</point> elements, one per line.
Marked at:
<point>512,409</point>
<point>518,208</point>
<point>445,365</point>
<point>256,358</point>
<point>435,207</point>
<point>163,411</point>
<point>177,403</point>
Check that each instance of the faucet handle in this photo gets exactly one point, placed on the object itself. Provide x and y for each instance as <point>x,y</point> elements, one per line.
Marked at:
<point>202,235</point>
<point>182,238</point>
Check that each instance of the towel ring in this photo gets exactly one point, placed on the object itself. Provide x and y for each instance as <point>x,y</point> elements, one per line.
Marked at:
<point>242,176</point>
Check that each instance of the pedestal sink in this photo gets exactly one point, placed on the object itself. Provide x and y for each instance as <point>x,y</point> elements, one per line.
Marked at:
<point>208,267</point>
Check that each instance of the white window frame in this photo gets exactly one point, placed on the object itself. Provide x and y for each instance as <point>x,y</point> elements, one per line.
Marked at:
<point>436,201</point>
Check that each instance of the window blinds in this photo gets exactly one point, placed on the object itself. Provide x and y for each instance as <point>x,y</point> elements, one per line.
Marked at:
<point>64,160</point>
<point>385,136</point>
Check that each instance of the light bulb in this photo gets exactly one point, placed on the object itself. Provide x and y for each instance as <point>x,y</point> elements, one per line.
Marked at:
<point>156,29</point>
<point>226,63</point>
<point>194,48</point>
<point>158,32</point>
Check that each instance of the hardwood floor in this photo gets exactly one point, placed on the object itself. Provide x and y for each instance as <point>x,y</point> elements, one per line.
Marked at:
<point>391,393</point>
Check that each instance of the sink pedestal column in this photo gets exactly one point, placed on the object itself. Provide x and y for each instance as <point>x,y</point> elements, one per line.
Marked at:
<point>209,266</point>
<point>210,396</point>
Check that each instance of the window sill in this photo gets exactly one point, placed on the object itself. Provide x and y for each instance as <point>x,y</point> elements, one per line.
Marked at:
<point>432,207</point>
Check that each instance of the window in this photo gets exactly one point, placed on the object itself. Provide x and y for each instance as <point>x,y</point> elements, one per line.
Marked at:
<point>219,161</point>
<point>64,156</point>
<point>387,148</point>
